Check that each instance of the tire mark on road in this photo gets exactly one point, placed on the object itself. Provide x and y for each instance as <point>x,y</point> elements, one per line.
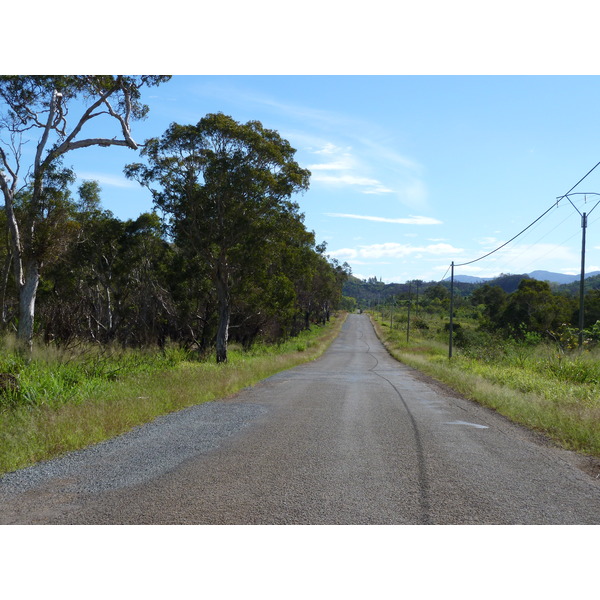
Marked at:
<point>421,463</point>
<point>424,492</point>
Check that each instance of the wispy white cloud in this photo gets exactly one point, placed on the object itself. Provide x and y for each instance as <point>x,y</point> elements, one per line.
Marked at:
<point>490,241</point>
<point>412,192</point>
<point>328,148</point>
<point>372,186</point>
<point>395,250</point>
<point>345,253</point>
<point>383,151</point>
<point>110,180</point>
<point>331,166</point>
<point>412,220</point>
<point>379,189</point>
<point>338,159</point>
<point>342,159</point>
<point>360,146</point>
<point>355,167</point>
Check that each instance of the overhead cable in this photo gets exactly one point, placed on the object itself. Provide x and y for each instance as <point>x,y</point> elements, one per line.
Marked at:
<point>511,239</point>
<point>534,222</point>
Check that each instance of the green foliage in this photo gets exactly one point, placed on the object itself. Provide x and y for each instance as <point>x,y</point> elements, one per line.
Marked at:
<point>534,308</point>
<point>53,378</point>
<point>591,310</point>
<point>226,188</point>
<point>348,304</point>
<point>438,292</point>
<point>38,208</point>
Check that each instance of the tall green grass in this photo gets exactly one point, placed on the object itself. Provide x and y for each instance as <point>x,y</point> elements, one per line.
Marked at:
<point>535,384</point>
<point>67,402</point>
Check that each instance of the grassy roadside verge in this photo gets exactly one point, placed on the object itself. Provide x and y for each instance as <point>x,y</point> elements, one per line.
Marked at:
<point>29,434</point>
<point>529,387</point>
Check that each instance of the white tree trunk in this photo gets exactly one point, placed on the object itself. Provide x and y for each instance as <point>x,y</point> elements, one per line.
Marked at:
<point>224,300</point>
<point>27,294</point>
<point>27,276</point>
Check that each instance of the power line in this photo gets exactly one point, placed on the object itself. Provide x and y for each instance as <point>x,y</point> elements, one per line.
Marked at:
<point>566,195</point>
<point>554,205</point>
<point>446,273</point>
<point>586,194</point>
<point>534,222</point>
<point>584,223</point>
<point>538,258</point>
<point>529,247</point>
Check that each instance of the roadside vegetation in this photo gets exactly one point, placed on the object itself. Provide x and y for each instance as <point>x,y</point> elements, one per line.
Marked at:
<point>105,323</point>
<point>227,260</point>
<point>66,401</point>
<point>511,352</point>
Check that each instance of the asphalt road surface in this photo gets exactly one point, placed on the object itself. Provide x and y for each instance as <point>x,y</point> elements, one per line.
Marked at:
<point>352,438</point>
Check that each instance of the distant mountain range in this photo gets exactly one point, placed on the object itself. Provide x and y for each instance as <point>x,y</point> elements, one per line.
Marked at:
<point>560,278</point>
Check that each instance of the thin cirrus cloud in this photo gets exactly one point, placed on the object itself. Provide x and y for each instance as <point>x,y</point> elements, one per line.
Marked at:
<point>110,180</point>
<point>395,250</point>
<point>372,186</point>
<point>334,172</point>
<point>339,165</point>
<point>347,166</point>
<point>412,220</point>
<point>376,168</point>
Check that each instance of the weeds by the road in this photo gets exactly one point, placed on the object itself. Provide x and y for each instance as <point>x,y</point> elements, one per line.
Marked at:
<point>65,403</point>
<point>537,385</point>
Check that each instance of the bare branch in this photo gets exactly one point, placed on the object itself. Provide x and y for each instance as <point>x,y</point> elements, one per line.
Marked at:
<point>49,125</point>
<point>87,115</point>
<point>104,142</point>
<point>60,122</point>
<point>124,121</point>
<point>3,181</point>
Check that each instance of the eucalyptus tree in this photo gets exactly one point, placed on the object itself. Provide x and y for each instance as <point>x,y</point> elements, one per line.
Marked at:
<point>39,109</point>
<point>226,188</point>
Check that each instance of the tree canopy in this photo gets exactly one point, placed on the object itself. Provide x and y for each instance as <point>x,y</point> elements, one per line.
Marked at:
<point>42,107</point>
<point>227,188</point>
<point>229,258</point>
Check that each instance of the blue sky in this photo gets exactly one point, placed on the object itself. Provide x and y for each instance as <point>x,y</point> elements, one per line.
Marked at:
<point>409,172</point>
<point>434,131</point>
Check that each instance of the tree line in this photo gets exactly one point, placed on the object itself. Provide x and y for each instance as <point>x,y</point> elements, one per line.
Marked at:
<point>229,259</point>
<point>514,306</point>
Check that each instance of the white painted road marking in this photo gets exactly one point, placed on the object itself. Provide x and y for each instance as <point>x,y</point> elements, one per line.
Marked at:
<point>466,423</point>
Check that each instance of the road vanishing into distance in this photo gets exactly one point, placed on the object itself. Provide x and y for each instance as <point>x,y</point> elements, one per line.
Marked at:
<point>352,438</point>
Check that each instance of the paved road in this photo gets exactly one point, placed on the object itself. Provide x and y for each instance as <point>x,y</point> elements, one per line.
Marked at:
<point>352,438</point>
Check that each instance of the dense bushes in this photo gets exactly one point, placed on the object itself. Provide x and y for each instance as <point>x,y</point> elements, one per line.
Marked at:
<point>126,282</point>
